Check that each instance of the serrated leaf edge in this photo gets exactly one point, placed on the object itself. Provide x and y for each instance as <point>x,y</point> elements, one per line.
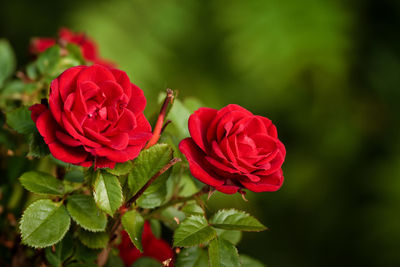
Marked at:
<point>239,211</point>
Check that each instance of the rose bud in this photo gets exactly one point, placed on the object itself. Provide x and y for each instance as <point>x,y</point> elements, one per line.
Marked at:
<point>95,116</point>
<point>152,247</point>
<point>87,45</point>
<point>231,149</point>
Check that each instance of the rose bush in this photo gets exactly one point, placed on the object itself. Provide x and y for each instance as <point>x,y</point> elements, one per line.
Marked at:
<point>95,115</point>
<point>87,45</point>
<point>231,149</point>
<point>152,247</point>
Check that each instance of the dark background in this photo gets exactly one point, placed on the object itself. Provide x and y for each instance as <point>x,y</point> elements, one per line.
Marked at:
<point>326,72</point>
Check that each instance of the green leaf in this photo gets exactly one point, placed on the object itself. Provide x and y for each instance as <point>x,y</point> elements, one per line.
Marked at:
<point>155,226</point>
<point>42,183</point>
<point>44,223</point>
<point>247,261</point>
<point>37,147</point>
<point>147,164</point>
<point>18,87</point>
<point>222,253</point>
<point>133,224</point>
<point>20,120</point>
<point>84,211</point>
<point>7,61</point>
<point>172,216</point>
<point>107,192</point>
<point>74,176</point>
<point>192,257</point>
<point>83,253</point>
<point>236,220</point>
<point>179,115</point>
<point>232,236</point>
<point>114,261</point>
<point>63,250</point>
<point>193,209</point>
<point>146,262</point>
<point>93,239</point>
<point>193,231</point>
<point>48,60</point>
<point>79,264</point>
<point>121,168</point>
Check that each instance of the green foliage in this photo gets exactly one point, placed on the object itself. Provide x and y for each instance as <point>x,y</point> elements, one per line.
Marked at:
<point>236,220</point>
<point>193,209</point>
<point>48,60</point>
<point>147,164</point>
<point>247,261</point>
<point>37,147</point>
<point>192,257</point>
<point>84,211</point>
<point>146,262</point>
<point>232,236</point>
<point>7,61</point>
<point>42,183</point>
<point>222,253</point>
<point>121,168</point>
<point>133,224</point>
<point>62,251</point>
<point>44,223</point>
<point>20,120</point>
<point>114,261</point>
<point>193,231</point>
<point>107,192</point>
<point>93,240</point>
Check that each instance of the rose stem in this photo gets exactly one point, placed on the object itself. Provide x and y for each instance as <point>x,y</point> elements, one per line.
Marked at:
<point>160,120</point>
<point>103,256</point>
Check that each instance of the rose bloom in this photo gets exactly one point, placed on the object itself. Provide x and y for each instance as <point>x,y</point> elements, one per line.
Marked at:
<point>88,46</point>
<point>231,149</point>
<point>95,115</point>
<point>152,247</point>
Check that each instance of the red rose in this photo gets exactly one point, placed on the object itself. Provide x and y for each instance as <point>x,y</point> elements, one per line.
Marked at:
<point>152,247</point>
<point>95,115</point>
<point>231,149</point>
<point>87,45</point>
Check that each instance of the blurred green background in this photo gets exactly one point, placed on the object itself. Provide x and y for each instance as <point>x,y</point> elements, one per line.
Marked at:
<point>326,72</point>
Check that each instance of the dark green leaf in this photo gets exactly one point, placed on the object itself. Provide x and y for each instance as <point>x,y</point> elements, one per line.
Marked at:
<point>93,239</point>
<point>114,261</point>
<point>63,250</point>
<point>44,223</point>
<point>37,146</point>
<point>42,183</point>
<point>236,220</point>
<point>85,254</point>
<point>84,211</point>
<point>172,217</point>
<point>133,224</point>
<point>222,253</point>
<point>155,226</point>
<point>107,192</point>
<point>192,257</point>
<point>7,61</point>
<point>20,120</point>
<point>74,176</point>
<point>146,262</point>
<point>193,231</point>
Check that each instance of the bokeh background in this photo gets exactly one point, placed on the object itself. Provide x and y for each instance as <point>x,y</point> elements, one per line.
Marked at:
<point>326,72</point>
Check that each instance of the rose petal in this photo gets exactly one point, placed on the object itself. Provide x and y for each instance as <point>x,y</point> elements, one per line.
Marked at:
<point>268,183</point>
<point>96,74</point>
<point>198,124</point>
<point>137,101</point>
<point>67,140</point>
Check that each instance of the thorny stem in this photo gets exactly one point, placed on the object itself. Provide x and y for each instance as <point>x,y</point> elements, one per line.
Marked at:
<point>160,120</point>
<point>103,256</point>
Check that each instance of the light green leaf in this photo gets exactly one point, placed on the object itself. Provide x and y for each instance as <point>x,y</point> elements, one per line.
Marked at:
<point>63,250</point>
<point>172,216</point>
<point>20,120</point>
<point>42,183</point>
<point>84,211</point>
<point>121,168</point>
<point>133,224</point>
<point>193,209</point>
<point>107,192</point>
<point>146,262</point>
<point>93,239</point>
<point>236,220</point>
<point>147,164</point>
<point>48,60</point>
<point>155,226</point>
<point>192,257</point>
<point>7,61</point>
<point>232,236</point>
<point>193,231</point>
<point>44,223</point>
<point>247,261</point>
<point>222,253</point>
